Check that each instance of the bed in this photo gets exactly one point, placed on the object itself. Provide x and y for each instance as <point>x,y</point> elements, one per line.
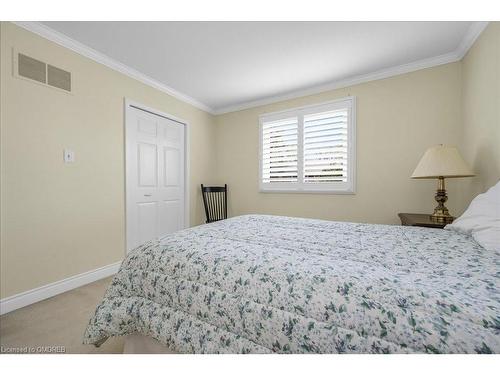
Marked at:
<point>271,284</point>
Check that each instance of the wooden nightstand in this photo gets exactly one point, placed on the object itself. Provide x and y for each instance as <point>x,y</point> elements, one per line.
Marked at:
<point>420,220</point>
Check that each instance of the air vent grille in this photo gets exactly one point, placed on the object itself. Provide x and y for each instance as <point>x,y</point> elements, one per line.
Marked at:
<point>42,72</point>
<point>59,78</point>
<point>32,68</point>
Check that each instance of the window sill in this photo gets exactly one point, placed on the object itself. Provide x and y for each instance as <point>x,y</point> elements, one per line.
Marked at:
<point>310,191</point>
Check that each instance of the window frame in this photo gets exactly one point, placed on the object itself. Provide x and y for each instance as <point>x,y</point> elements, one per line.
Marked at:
<point>348,187</point>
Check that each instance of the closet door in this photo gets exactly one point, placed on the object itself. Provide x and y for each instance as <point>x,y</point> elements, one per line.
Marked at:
<point>155,171</point>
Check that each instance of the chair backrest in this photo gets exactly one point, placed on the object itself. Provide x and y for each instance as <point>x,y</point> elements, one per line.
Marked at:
<point>215,201</point>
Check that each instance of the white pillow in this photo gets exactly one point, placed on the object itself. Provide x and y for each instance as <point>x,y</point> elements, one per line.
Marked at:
<point>482,219</point>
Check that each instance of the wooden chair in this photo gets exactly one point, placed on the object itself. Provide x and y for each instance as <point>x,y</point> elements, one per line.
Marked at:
<point>215,201</point>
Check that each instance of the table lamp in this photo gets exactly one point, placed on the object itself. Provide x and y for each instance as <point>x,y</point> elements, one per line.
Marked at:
<point>442,162</point>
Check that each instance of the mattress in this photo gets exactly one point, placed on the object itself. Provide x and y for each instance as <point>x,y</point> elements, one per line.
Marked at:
<point>270,284</point>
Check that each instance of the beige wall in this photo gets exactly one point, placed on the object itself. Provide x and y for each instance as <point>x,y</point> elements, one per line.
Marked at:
<point>397,120</point>
<point>481,111</point>
<point>60,220</point>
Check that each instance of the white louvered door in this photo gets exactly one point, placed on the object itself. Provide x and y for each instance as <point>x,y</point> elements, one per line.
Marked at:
<point>155,176</point>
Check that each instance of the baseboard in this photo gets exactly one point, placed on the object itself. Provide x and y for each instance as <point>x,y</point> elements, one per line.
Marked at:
<point>38,294</point>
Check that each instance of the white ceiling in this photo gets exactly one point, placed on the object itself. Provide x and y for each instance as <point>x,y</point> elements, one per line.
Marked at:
<point>230,65</point>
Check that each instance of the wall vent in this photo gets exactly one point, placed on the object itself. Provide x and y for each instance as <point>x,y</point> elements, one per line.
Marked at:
<point>36,70</point>
<point>58,78</point>
<point>32,68</point>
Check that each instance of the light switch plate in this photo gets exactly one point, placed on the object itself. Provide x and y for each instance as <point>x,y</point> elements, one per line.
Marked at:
<point>69,156</point>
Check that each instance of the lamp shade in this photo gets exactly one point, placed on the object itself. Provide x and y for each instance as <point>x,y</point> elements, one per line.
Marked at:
<point>442,161</point>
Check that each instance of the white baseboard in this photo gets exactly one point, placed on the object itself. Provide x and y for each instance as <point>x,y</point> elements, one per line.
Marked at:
<point>38,294</point>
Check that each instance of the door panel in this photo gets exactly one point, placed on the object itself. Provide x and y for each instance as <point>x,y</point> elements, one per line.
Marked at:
<point>147,126</point>
<point>169,214</point>
<point>155,169</point>
<point>171,166</point>
<point>147,221</point>
<point>175,132</point>
<point>148,169</point>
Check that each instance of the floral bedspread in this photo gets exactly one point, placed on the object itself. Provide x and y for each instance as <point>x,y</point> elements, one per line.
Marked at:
<point>263,284</point>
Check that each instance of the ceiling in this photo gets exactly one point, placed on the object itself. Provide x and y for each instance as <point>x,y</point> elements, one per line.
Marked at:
<point>231,65</point>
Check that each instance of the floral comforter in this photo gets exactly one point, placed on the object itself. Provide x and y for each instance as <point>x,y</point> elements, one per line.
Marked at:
<point>264,284</point>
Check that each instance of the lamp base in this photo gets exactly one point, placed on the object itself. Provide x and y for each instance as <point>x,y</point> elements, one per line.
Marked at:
<point>441,213</point>
<point>441,218</point>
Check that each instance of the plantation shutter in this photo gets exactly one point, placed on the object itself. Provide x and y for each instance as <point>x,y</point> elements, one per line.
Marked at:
<point>309,149</point>
<point>280,151</point>
<point>325,147</point>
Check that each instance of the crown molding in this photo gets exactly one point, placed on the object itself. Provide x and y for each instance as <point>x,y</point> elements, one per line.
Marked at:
<point>347,82</point>
<point>470,37</point>
<point>468,40</point>
<point>75,46</point>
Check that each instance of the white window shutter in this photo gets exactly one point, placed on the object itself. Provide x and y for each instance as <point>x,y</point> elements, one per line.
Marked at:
<point>279,151</point>
<point>325,147</point>
<point>309,149</point>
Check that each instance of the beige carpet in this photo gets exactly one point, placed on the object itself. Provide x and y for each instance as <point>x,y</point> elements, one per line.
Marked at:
<point>57,321</point>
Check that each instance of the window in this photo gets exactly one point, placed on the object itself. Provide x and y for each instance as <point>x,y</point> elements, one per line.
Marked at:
<point>309,149</point>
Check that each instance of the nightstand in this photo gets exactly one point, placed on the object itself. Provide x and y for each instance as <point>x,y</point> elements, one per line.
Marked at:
<point>420,220</point>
